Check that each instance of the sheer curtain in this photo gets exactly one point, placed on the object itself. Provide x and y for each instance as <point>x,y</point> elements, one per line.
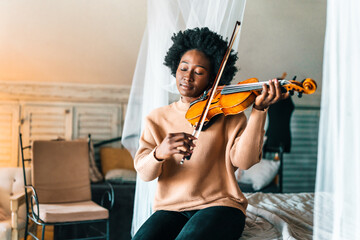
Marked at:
<point>337,198</point>
<point>153,86</point>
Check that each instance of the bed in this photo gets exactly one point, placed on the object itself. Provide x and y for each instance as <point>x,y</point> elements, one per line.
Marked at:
<point>279,216</point>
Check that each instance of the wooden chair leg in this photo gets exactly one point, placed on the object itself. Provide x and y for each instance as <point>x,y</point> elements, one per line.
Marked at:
<point>14,234</point>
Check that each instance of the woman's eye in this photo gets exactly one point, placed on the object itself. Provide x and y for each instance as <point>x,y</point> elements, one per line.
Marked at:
<point>183,69</point>
<point>198,73</point>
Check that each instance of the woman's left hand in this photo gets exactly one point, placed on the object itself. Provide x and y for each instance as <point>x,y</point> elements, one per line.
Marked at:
<point>269,95</point>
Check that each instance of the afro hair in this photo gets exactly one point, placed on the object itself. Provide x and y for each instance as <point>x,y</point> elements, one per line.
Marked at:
<point>206,41</point>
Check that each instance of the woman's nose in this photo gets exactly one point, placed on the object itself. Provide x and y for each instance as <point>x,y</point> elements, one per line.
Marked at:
<point>188,76</point>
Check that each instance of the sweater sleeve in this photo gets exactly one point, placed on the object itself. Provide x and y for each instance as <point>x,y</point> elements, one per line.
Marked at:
<point>145,163</point>
<point>247,146</point>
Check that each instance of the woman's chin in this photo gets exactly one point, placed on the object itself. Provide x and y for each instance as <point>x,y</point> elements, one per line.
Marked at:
<point>185,92</point>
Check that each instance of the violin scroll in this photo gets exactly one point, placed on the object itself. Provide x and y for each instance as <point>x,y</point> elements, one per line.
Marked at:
<point>307,86</point>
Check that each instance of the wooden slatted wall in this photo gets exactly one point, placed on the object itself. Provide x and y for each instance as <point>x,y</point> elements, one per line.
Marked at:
<point>299,171</point>
<point>100,122</point>
<point>9,128</point>
<point>47,122</point>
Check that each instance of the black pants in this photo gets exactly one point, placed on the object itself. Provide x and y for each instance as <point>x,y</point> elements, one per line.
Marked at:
<point>209,223</point>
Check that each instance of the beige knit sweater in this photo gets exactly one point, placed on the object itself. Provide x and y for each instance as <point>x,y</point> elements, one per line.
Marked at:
<point>207,179</point>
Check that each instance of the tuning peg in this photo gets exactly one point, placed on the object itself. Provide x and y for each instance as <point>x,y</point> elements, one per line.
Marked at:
<point>291,92</point>
<point>299,94</point>
<point>294,78</point>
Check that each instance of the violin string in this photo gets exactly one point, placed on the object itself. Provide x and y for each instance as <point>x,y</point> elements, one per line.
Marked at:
<point>242,88</point>
<point>247,87</point>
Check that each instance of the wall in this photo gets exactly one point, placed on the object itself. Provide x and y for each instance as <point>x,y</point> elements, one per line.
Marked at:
<point>282,36</point>
<point>91,41</point>
<point>82,41</point>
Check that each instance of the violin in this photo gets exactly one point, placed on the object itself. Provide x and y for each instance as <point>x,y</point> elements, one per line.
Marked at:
<point>234,99</point>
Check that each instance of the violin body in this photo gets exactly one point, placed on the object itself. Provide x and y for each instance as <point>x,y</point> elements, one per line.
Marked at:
<point>234,99</point>
<point>228,104</point>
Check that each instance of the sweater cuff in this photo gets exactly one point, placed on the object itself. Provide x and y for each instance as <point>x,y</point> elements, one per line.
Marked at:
<point>154,154</point>
<point>263,110</point>
<point>153,158</point>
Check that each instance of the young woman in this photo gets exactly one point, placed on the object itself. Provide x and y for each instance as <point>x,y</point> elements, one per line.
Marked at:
<point>201,198</point>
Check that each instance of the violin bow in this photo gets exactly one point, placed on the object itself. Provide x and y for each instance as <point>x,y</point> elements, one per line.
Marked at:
<point>205,111</point>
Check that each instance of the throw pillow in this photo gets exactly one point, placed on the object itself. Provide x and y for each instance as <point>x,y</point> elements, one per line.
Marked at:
<point>115,158</point>
<point>261,174</point>
<point>120,175</point>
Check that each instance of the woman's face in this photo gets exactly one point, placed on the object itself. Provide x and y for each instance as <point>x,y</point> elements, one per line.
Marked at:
<point>193,75</point>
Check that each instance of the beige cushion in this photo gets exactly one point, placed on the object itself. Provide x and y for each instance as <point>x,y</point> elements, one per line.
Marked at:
<point>11,183</point>
<point>5,229</point>
<point>115,158</point>
<point>67,212</point>
<point>60,171</point>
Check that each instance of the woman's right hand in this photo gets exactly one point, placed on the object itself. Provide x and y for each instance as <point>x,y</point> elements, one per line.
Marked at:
<point>175,143</point>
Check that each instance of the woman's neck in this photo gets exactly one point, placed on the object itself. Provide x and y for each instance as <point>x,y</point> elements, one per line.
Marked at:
<point>185,99</point>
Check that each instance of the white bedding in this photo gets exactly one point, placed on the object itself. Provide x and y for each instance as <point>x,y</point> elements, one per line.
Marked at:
<point>279,216</point>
